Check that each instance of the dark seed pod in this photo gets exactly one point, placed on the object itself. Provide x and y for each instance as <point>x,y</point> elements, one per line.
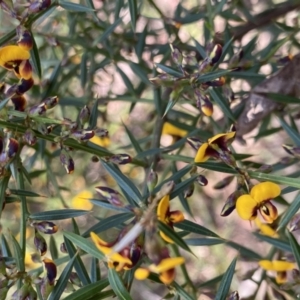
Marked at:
<point>19,102</point>
<point>51,270</point>
<point>216,54</point>
<point>120,159</point>
<point>82,135</point>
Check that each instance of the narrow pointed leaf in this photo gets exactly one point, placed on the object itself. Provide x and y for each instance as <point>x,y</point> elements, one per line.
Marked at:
<point>35,57</point>
<point>59,214</point>
<point>290,131</point>
<point>195,228</point>
<point>280,244</point>
<point>74,7</point>
<point>117,285</point>
<point>133,12</point>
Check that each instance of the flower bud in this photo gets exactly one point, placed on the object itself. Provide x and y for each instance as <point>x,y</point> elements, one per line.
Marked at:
<point>215,54</point>
<point>67,161</point>
<point>201,180</point>
<point>21,293</point>
<point>38,6</point>
<point>50,269</point>
<point>46,227</point>
<point>295,151</point>
<point>295,223</point>
<point>10,149</point>
<point>152,180</point>
<point>207,107</point>
<point>25,40</point>
<point>40,243</point>
<point>69,125</point>
<point>29,137</point>
<point>101,132</point>
<point>229,206</point>
<point>120,159</point>
<point>112,196</point>
<point>50,102</point>
<point>218,82</point>
<point>82,135</point>
<point>223,183</point>
<point>265,169</point>
<point>163,80</point>
<point>24,70</point>
<point>285,59</point>
<point>189,191</point>
<point>2,87</point>
<point>84,115</point>
<point>75,279</point>
<point>38,109</point>
<point>176,55</point>
<point>19,102</point>
<point>63,248</point>
<point>46,287</point>
<point>194,142</point>
<point>234,296</point>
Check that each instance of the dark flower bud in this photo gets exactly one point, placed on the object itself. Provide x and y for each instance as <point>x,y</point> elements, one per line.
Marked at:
<point>84,115</point>
<point>50,102</point>
<point>110,195</point>
<point>46,227</point>
<point>29,137</point>
<point>10,149</point>
<point>45,4</point>
<point>38,109</point>
<point>295,223</point>
<point>19,102</point>
<point>101,132</point>
<point>152,180</point>
<point>63,248</point>
<point>67,161</point>
<point>194,142</point>
<point>265,169</point>
<point>223,183</point>
<point>207,107</point>
<point>201,180</point>
<point>229,206</point>
<point>34,7</point>
<point>215,54</point>
<point>285,59</point>
<point>234,296</point>
<point>95,159</point>
<point>2,87</point>
<point>50,269</point>
<point>25,40</point>
<point>295,151</point>
<point>82,135</point>
<point>189,191</point>
<point>217,82</point>
<point>163,80</point>
<point>40,243</point>
<point>176,55</point>
<point>24,70</point>
<point>75,279</point>
<point>120,159</point>
<point>69,125</point>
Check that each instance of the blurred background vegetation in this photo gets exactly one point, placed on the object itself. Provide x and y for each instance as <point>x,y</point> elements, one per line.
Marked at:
<point>103,54</point>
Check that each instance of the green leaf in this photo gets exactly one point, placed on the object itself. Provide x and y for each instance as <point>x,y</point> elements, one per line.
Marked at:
<point>18,255</point>
<point>290,212</point>
<point>168,231</point>
<point>4,102</point>
<point>95,273</point>
<point>180,187</point>
<point>195,228</point>
<point>204,241</point>
<point>3,186</point>
<point>78,264</point>
<point>169,70</point>
<point>84,244</point>
<point>226,282</point>
<point>74,7</point>
<point>53,247</point>
<point>108,205</point>
<point>89,291</point>
<point>200,49</point>
<point>140,72</point>
<point>35,57</point>
<point>212,75</point>
<point>294,182</point>
<point>107,223</point>
<point>25,193</point>
<point>127,81</point>
<point>290,131</point>
<point>110,29</point>
<point>181,291</point>
<point>117,285</point>
<point>125,184</point>
<point>5,250</point>
<point>133,12</point>
<point>280,244</point>
<point>62,281</point>
<point>281,98</point>
<point>59,214</point>
<point>134,142</point>
<point>83,69</point>
<point>219,99</point>
<point>295,248</point>
<point>245,252</point>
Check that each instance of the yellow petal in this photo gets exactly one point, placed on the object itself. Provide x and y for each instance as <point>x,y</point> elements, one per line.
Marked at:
<point>225,136</point>
<point>100,244</point>
<point>25,70</point>
<point>167,264</point>
<point>141,273</point>
<point>201,155</point>
<point>163,208</point>
<point>170,129</point>
<point>166,238</point>
<point>12,53</point>
<point>101,141</point>
<point>265,191</point>
<point>81,201</point>
<point>246,207</point>
<point>266,265</point>
<point>280,265</point>
<point>167,277</point>
<point>176,216</point>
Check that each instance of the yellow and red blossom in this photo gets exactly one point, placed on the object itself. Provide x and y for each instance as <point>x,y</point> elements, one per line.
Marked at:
<point>168,217</point>
<point>259,200</point>
<point>15,58</point>
<point>165,269</point>
<point>279,266</point>
<point>214,146</point>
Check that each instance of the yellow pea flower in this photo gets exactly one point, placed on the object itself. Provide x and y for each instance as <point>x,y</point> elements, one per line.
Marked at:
<point>168,217</point>
<point>171,129</point>
<point>259,200</point>
<point>214,146</point>
<point>279,266</point>
<point>165,269</point>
